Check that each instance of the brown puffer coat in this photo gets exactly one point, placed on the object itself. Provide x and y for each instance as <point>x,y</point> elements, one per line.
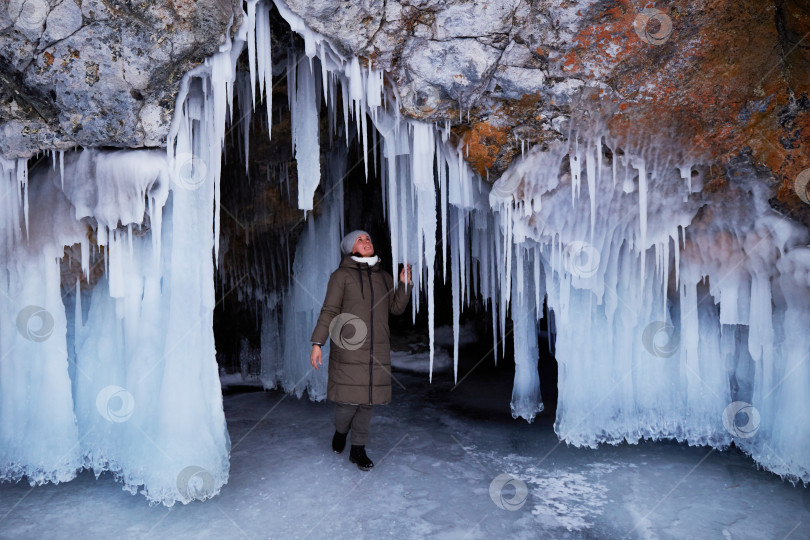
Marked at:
<point>358,300</point>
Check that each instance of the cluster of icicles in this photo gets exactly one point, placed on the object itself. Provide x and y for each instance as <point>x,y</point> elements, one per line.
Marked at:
<point>679,314</point>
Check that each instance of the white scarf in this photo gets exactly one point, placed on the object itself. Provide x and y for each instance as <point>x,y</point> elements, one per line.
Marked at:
<point>371,261</point>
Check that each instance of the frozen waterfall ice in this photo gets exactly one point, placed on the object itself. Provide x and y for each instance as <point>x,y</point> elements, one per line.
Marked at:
<point>122,374</point>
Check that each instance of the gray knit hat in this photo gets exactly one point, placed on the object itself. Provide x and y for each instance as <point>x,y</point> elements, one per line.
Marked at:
<point>348,241</point>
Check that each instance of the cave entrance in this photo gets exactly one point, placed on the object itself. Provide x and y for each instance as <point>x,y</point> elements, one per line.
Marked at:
<point>261,227</point>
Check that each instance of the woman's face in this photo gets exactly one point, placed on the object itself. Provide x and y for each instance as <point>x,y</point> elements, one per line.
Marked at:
<point>363,246</point>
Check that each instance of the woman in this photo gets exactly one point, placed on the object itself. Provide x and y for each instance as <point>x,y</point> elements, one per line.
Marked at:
<point>354,315</point>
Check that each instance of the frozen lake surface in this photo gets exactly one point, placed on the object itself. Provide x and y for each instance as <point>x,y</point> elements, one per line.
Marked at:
<point>436,453</point>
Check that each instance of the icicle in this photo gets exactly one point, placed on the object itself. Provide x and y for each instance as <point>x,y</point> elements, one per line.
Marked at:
<point>575,161</point>
<point>305,137</point>
<point>265,59</point>
<point>129,238</point>
<point>423,182</point>
<point>77,314</point>
<point>677,258</point>
<point>251,43</point>
<point>22,183</point>
<point>613,163</point>
<point>686,176</point>
<point>324,74</point>
<point>642,211</point>
<point>442,169</point>
<point>526,401</point>
<point>590,163</point>
<point>455,272</point>
<point>536,257</point>
<point>62,168</point>
<point>492,243</point>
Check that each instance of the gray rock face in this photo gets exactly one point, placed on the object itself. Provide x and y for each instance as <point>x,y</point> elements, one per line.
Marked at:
<point>106,72</point>
<point>448,50</point>
<point>498,62</point>
<point>62,21</point>
<point>99,72</point>
<point>507,71</point>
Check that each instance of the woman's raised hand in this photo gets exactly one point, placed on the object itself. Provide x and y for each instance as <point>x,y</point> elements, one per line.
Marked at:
<point>315,356</point>
<point>405,274</point>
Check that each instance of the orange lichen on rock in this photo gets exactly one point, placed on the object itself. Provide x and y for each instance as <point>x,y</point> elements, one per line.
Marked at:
<point>606,42</point>
<point>712,95</point>
<point>481,145</point>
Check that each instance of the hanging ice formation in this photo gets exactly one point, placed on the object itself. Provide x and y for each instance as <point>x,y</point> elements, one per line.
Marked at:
<point>409,150</point>
<point>121,377</point>
<point>287,321</point>
<point>679,314</point>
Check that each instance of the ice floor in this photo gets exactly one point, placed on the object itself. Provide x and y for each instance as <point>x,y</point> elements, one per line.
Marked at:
<point>436,452</point>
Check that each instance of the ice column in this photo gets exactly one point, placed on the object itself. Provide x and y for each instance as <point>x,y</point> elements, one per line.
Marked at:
<point>526,399</point>
<point>38,433</point>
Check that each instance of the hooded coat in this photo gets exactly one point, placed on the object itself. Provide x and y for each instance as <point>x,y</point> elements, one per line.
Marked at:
<point>354,316</point>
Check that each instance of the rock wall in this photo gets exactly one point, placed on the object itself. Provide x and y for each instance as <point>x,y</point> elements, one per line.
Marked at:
<point>715,78</point>
<point>99,72</point>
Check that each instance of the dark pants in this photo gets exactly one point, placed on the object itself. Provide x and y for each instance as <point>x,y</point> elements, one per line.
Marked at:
<point>356,417</point>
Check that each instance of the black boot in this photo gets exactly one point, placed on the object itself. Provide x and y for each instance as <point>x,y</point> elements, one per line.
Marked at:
<point>358,455</point>
<point>338,442</point>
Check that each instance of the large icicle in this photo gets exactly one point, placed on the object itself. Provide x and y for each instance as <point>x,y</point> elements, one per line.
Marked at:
<point>526,399</point>
<point>304,112</point>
